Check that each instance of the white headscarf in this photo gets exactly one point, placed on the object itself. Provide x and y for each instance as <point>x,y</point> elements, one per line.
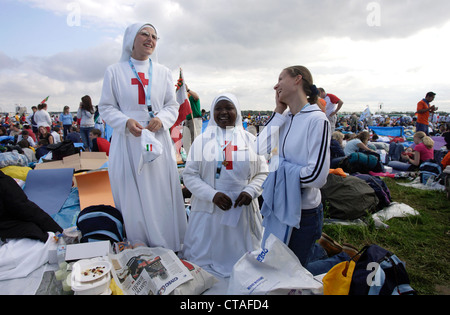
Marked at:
<point>216,135</point>
<point>202,148</point>
<point>128,41</point>
<point>229,97</point>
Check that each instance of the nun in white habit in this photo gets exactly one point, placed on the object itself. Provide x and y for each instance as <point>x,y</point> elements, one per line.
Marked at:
<point>224,175</point>
<point>136,89</point>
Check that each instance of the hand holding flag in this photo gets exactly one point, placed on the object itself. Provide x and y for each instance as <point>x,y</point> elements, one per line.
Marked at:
<point>183,100</point>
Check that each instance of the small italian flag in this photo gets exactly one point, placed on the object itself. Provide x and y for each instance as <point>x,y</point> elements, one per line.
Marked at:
<point>45,100</point>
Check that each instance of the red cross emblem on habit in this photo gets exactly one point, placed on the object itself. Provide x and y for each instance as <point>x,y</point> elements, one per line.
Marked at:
<point>135,81</point>
<point>228,162</point>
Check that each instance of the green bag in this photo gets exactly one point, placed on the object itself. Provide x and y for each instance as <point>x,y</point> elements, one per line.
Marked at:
<point>348,198</point>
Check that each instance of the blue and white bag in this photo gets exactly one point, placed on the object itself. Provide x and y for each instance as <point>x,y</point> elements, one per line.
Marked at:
<point>428,169</point>
<point>101,223</point>
<point>380,272</point>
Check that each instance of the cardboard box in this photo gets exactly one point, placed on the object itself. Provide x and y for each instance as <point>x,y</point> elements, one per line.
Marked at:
<point>94,188</point>
<point>84,161</point>
<point>87,250</point>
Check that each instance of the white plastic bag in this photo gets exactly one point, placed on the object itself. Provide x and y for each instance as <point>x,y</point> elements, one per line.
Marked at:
<point>151,148</point>
<point>272,270</point>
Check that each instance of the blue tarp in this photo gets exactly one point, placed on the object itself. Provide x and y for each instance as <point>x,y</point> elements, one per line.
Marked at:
<point>204,125</point>
<point>6,138</point>
<point>388,131</point>
<point>67,216</point>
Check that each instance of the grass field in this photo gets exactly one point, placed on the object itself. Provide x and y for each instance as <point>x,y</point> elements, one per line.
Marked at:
<point>422,242</point>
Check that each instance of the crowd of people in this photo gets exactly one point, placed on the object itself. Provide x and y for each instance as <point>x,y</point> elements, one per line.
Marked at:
<point>437,124</point>
<point>33,134</point>
<point>227,168</point>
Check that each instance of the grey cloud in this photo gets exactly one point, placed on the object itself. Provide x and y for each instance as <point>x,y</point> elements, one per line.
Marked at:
<point>82,65</point>
<point>7,62</point>
<point>222,39</point>
<point>259,22</point>
<point>250,34</point>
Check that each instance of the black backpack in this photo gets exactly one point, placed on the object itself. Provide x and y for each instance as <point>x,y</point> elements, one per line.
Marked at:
<point>380,272</point>
<point>63,149</point>
<point>101,223</point>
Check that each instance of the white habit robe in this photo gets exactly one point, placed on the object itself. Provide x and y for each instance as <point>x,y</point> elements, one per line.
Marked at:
<point>151,203</point>
<point>217,239</point>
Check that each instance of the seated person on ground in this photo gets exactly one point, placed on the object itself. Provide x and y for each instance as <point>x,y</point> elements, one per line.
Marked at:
<point>29,153</point>
<point>336,149</point>
<point>41,149</point>
<point>423,150</point>
<point>74,135</point>
<point>359,144</point>
<point>99,144</point>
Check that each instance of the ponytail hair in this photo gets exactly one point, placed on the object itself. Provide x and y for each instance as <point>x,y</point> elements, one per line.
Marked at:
<point>311,91</point>
<point>428,142</point>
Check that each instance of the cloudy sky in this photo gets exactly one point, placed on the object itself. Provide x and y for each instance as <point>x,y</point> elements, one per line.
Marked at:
<point>365,52</point>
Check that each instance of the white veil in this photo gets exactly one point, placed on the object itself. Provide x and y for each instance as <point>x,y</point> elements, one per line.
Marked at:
<point>207,151</point>
<point>128,41</point>
<point>233,99</point>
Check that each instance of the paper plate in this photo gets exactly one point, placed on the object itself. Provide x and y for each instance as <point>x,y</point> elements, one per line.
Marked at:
<point>92,271</point>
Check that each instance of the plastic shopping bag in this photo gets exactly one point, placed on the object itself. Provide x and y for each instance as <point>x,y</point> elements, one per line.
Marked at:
<point>337,281</point>
<point>151,148</point>
<point>272,270</point>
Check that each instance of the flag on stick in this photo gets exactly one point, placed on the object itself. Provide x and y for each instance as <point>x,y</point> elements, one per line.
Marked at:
<point>183,111</point>
<point>183,100</point>
<point>365,114</point>
<point>45,100</point>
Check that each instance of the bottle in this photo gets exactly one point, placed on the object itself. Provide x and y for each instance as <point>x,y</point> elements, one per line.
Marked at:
<point>430,180</point>
<point>61,250</point>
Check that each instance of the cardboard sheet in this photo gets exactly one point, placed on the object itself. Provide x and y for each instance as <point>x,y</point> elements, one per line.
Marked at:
<point>49,189</point>
<point>94,189</point>
<point>80,162</point>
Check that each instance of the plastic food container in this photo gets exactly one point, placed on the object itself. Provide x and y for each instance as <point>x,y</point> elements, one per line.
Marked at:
<point>91,276</point>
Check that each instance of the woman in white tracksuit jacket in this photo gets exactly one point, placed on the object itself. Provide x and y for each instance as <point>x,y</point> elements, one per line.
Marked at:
<point>298,134</point>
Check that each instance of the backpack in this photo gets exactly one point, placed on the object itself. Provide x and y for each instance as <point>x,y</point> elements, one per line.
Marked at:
<point>428,169</point>
<point>348,198</point>
<point>62,149</point>
<point>100,223</point>
<point>379,186</point>
<point>359,162</point>
<point>380,272</point>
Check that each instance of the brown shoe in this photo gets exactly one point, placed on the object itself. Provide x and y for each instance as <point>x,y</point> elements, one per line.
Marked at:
<point>352,251</point>
<point>331,246</point>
